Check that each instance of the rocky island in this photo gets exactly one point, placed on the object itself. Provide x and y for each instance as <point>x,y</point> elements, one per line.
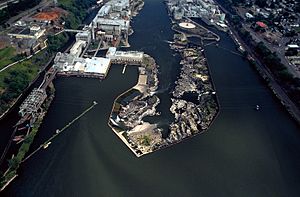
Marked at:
<point>194,100</point>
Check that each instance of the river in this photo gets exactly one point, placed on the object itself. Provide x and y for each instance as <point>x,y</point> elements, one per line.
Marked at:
<point>244,153</point>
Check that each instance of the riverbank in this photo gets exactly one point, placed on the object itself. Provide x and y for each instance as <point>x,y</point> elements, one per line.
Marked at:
<point>14,163</point>
<point>33,121</point>
<point>194,103</point>
<point>131,107</point>
<point>265,73</point>
<point>259,153</point>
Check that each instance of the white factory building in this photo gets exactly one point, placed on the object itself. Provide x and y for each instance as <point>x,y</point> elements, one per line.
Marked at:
<point>77,48</point>
<point>109,18</point>
<point>111,26</point>
<point>68,64</point>
<point>85,36</point>
<point>119,5</point>
<point>124,56</point>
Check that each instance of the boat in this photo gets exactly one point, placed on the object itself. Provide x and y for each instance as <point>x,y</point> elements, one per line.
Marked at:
<point>46,145</point>
<point>57,131</point>
<point>257,107</point>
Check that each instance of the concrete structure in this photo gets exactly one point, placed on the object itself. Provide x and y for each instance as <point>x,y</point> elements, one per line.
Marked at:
<point>63,59</point>
<point>124,56</point>
<point>77,48</point>
<point>34,32</point>
<point>187,25</point>
<point>68,64</point>
<point>85,36</point>
<point>33,102</point>
<point>112,26</point>
<point>119,5</point>
<point>105,10</point>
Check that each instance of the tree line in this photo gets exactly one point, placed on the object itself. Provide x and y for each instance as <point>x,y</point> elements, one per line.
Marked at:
<point>13,9</point>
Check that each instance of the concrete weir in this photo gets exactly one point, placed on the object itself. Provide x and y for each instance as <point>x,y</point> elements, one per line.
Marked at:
<point>134,105</point>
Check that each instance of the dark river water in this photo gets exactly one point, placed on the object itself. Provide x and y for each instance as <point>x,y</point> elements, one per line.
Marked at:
<point>245,152</point>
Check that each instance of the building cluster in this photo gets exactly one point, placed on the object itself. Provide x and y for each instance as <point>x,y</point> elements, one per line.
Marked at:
<point>281,16</point>
<point>68,64</point>
<point>28,34</point>
<point>110,25</point>
<point>27,38</point>
<point>207,10</point>
<point>112,22</point>
<point>276,23</point>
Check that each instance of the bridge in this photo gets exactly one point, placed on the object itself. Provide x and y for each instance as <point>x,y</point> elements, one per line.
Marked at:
<point>70,30</point>
<point>74,30</point>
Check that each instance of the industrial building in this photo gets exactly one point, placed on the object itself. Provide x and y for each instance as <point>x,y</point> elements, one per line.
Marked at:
<point>85,36</point>
<point>124,56</point>
<point>109,18</point>
<point>69,65</point>
<point>77,48</point>
<point>207,10</point>
<point>33,102</point>
<point>34,32</point>
<point>119,5</point>
<point>112,26</point>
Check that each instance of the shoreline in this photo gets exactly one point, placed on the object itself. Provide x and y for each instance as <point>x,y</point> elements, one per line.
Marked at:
<point>267,76</point>
<point>31,134</point>
<point>136,144</point>
<point>36,122</point>
<point>145,92</point>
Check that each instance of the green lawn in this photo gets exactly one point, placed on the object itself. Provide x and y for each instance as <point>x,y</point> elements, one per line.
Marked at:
<point>6,55</point>
<point>14,79</point>
<point>30,66</point>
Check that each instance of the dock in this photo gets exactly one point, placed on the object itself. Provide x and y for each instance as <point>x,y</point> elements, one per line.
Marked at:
<point>124,68</point>
<point>59,131</point>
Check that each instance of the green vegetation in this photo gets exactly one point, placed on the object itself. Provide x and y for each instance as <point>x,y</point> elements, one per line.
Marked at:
<point>15,162</point>
<point>146,141</point>
<point>77,11</point>
<point>14,80</point>
<point>6,56</point>
<point>55,43</point>
<point>290,84</point>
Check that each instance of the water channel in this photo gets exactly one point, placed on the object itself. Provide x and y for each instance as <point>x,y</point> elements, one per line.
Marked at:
<point>245,152</point>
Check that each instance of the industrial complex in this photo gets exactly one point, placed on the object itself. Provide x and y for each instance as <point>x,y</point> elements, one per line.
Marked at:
<point>207,10</point>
